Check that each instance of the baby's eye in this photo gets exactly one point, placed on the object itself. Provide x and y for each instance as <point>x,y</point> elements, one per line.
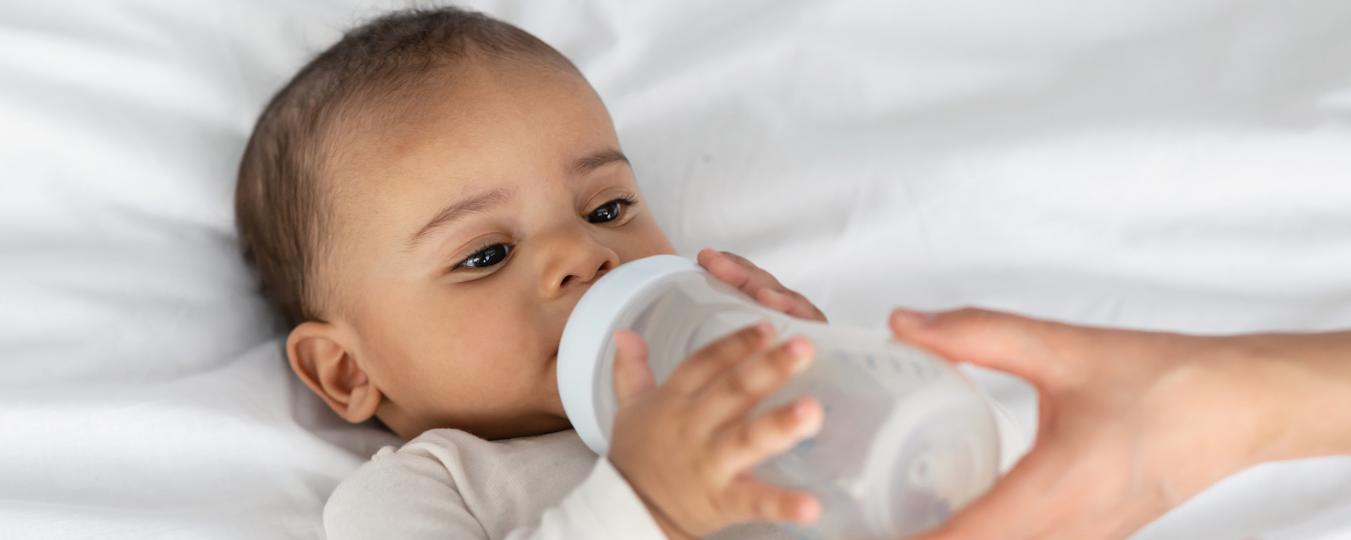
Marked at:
<point>609,211</point>
<point>489,256</point>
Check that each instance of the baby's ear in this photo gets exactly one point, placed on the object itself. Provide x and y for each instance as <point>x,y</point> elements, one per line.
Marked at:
<point>321,355</point>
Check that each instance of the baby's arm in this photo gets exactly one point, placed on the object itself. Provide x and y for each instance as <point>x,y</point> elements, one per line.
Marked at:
<point>406,494</point>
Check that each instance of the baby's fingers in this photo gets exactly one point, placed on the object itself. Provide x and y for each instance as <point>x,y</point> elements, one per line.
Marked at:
<point>632,375</point>
<point>758,284</point>
<point>739,389</point>
<point>789,302</point>
<point>744,445</point>
<point>736,271</point>
<point>696,371</point>
<point>752,500</point>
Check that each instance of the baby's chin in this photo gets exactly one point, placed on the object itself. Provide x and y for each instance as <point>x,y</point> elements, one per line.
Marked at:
<point>541,414</point>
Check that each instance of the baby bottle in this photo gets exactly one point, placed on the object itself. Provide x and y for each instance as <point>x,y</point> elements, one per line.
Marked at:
<point>906,440</point>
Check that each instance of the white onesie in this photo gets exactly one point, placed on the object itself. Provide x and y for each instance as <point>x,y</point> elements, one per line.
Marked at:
<point>448,484</point>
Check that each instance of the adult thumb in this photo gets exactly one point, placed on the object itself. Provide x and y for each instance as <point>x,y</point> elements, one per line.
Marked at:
<point>997,340</point>
<point>632,374</point>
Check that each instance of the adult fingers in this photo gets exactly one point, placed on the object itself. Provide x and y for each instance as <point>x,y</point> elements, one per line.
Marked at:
<point>1024,504</point>
<point>1002,341</point>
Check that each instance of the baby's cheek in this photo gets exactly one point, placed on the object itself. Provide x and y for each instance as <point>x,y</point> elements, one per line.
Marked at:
<point>644,239</point>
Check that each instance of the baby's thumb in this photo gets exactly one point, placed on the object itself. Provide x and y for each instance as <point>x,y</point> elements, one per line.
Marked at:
<point>1002,341</point>
<point>632,374</point>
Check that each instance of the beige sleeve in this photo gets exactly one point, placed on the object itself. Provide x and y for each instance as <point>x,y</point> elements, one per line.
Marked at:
<point>602,506</point>
<point>412,496</point>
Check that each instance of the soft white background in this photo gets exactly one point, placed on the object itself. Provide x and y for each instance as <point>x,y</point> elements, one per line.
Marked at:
<point>1152,164</point>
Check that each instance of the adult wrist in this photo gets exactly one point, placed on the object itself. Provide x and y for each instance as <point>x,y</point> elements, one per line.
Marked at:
<point>1309,375</point>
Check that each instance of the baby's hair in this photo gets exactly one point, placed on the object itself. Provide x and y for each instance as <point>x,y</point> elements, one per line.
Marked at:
<point>284,219</point>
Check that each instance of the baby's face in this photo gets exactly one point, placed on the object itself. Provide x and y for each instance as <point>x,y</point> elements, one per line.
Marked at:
<point>466,232</point>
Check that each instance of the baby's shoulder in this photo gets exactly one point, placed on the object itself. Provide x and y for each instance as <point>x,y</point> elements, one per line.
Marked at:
<point>451,474</point>
<point>420,466</point>
<point>458,450</point>
<point>441,456</point>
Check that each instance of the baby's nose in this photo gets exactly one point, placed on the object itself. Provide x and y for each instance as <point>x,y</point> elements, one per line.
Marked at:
<point>584,275</point>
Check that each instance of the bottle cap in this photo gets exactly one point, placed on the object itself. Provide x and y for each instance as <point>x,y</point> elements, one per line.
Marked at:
<point>588,340</point>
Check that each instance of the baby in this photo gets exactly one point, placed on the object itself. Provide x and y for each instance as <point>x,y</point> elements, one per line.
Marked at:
<point>424,204</point>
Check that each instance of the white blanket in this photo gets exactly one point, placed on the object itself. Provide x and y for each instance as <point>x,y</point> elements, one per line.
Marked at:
<point>1152,164</point>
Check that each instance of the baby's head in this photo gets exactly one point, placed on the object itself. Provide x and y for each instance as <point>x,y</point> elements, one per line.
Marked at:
<point>424,204</point>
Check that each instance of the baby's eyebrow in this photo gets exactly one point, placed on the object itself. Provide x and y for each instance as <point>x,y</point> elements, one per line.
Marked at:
<point>459,210</point>
<point>597,160</point>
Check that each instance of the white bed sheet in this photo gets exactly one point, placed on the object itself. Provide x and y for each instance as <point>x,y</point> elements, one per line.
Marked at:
<point>1153,164</point>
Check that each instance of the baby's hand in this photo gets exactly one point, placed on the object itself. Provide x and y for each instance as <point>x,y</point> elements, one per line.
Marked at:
<point>738,272</point>
<point>688,446</point>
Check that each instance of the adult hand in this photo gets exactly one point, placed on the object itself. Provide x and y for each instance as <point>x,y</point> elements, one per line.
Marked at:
<point>1134,423</point>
